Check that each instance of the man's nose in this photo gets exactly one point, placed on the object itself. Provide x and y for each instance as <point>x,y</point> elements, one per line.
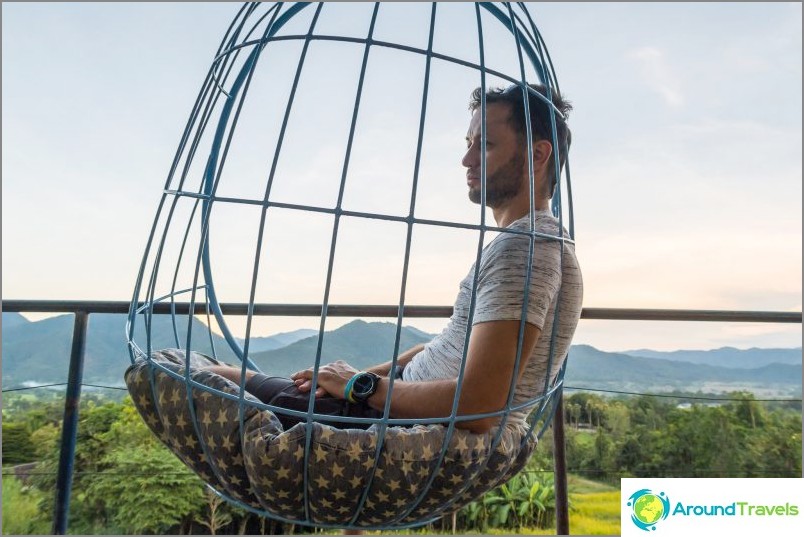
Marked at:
<point>472,157</point>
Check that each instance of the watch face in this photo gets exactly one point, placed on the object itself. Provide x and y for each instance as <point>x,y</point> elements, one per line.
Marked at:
<point>363,385</point>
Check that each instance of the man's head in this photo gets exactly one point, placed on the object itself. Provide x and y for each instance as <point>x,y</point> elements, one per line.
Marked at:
<point>509,105</point>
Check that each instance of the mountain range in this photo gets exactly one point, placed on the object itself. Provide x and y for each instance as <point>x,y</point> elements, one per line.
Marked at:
<point>38,353</point>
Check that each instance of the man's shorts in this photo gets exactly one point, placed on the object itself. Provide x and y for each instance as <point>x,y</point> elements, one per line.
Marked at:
<point>282,392</point>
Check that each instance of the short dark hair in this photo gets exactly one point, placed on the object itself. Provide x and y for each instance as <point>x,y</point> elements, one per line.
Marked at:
<point>540,126</point>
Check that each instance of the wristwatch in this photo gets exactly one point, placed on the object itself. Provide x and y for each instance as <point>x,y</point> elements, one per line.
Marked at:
<point>364,385</point>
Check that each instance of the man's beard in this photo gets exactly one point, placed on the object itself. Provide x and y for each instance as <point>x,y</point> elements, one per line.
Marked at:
<point>504,184</point>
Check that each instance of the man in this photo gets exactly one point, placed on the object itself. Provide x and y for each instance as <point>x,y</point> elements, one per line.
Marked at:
<point>427,385</point>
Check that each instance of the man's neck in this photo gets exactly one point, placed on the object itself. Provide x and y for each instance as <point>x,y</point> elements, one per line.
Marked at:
<point>508,214</point>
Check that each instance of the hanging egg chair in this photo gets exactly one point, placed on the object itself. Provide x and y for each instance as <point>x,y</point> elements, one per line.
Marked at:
<point>291,116</point>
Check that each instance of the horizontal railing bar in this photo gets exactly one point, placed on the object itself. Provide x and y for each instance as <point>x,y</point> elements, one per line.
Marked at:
<point>727,316</point>
<point>360,310</point>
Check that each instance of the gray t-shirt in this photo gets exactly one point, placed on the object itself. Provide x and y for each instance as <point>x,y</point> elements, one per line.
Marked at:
<point>555,282</point>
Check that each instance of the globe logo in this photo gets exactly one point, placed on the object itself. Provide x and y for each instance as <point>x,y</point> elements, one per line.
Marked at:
<point>648,508</point>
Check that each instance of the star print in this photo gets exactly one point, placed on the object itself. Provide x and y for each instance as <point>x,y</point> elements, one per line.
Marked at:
<point>180,423</point>
<point>222,419</point>
<point>354,451</point>
<point>407,466</point>
<point>320,454</point>
<point>337,470</point>
<point>322,481</point>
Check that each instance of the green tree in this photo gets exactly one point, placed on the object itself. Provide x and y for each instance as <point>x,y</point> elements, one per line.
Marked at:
<point>18,447</point>
<point>747,409</point>
<point>21,515</point>
<point>156,492</point>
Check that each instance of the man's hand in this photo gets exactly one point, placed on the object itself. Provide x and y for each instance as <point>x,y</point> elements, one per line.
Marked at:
<point>332,379</point>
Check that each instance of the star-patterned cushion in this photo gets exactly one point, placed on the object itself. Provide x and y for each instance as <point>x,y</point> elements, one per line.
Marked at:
<point>354,477</point>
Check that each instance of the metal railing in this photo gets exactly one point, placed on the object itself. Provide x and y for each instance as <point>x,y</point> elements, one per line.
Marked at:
<point>83,308</point>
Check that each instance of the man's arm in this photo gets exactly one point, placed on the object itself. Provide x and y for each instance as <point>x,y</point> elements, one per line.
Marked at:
<point>487,379</point>
<point>486,382</point>
<point>402,360</point>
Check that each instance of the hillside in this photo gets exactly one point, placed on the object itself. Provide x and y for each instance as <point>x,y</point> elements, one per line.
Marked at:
<point>727,356</point>
<point>38,353</point>
<point>592,368</point>
<point>11,320</point>
<point>360,343</point>
<point>262,344</point>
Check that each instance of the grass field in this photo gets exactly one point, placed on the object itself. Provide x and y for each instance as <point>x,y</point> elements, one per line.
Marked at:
<point>594,510</point>
<point>594,507</point>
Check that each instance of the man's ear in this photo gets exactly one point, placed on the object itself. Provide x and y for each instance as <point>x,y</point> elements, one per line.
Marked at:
<point>542,154</point>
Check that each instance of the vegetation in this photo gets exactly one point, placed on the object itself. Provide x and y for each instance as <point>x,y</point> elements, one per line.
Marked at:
<point>126,482</point>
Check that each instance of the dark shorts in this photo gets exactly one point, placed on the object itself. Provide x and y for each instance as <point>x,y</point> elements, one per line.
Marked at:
<point>282,392</point>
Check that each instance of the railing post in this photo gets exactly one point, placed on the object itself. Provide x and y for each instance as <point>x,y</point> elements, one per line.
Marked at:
<point>64,481</point>
<point>560,469</point>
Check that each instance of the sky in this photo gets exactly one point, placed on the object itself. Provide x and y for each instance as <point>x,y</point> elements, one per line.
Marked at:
<point>686,160</point>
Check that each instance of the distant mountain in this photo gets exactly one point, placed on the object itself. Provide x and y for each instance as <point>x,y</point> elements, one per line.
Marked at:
<point>11,319</point>
<point>727,356</point>
<point>591,367</point>
<point>261,344</point>
<point>360,343</point>
<point>39,352</point>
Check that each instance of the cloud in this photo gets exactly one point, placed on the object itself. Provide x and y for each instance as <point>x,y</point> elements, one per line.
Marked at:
<point>658,75</point>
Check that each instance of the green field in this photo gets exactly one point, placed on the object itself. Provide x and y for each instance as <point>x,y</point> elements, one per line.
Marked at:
<point>594,510</point>
<point>594,507</point>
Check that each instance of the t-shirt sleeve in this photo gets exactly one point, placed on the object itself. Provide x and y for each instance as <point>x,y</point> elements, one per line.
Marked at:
<point>503,275</point>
